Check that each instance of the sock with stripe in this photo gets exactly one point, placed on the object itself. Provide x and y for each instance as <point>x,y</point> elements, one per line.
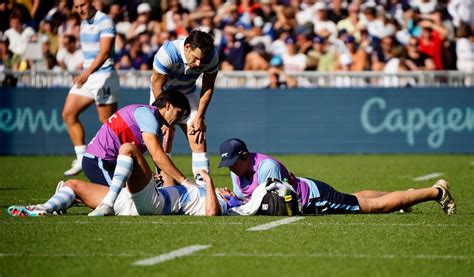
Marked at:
<point>80,150</point>
<point>122,172</point>
<point>200,162</point>
<point>61,200</point>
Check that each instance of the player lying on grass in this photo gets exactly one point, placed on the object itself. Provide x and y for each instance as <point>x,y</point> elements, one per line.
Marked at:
<point>142,195</point>
<point>140,125</point>
<point>249,170</point>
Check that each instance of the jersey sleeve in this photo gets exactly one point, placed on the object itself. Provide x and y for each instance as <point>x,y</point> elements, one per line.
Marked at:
<point>107,27</point>
<point>146,120</point>
<point>162,61</point>
<point>235,187</point>
<point>268,169</point>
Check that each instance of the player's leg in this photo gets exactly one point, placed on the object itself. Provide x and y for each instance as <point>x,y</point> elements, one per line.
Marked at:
<point>132,168</point>
<point>396,200</point>
<point>200,161</point>
<point>370,193</point>
<point>105,111</point>
<point>399,199</point>
<point>75,104</point>
<point>167,144</point>
<point>89,193</point>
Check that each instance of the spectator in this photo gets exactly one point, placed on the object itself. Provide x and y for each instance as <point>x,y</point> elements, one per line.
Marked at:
<point>176,18</point>
<point>351,24</point>
<point>293,61</point>
<point>70,57</point>
<point>140,24</point>
<point>47,29</point>
<point>337,11</point>
<point>465,48</point>
<point>415,60</point>
<point>234,50</point>
<point>18,35</point>
<point>322,25</point>
<point>277,77</point>
<point>431,42</point>
<point>382,53</point>
<point>359,58</point>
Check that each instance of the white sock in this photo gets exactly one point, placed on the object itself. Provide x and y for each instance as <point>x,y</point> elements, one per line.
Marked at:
<point>200,161</point>
<point>80,150</point>
<point>60,200</point>
<point>122,172</point>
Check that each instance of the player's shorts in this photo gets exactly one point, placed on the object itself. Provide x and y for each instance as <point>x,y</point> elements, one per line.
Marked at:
<point>97,170</point>
<point>331,201</point>
<point>103,87</point>
<point>145,202</point>
<point>193,99</point>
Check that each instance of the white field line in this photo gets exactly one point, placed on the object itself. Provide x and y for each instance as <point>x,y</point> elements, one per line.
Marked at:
<point>338,255</point>
<point>428,176</point>
<point>164,223</point>
<point>256,255</point>
<point>186,251</point>
<point>275,223</point>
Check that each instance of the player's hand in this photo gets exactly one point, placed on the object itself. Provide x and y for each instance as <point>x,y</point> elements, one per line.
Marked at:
<point>81,79</point>
<point>198,130</point>
<point>188,182</point>
<point>233,201</point>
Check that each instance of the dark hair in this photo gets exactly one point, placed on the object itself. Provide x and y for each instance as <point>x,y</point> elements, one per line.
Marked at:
<point>201,40</point>
<point>175,98</point>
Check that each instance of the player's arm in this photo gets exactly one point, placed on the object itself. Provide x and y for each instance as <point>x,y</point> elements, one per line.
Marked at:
<point>158,82</point>
<point>212,205</point>
<point>162,160</point>
<point>106,45</point>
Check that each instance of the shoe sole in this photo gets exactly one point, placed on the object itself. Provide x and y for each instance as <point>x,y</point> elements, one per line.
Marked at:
<point>23,212</point>
<point>448,208</point>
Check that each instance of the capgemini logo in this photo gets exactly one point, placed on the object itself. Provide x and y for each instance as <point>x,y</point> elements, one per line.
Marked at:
<point>411,121</point>
<point>24,119</point>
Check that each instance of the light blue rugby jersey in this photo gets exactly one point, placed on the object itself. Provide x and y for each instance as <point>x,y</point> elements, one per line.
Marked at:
<point>187,200</point>
<point>170,61</point>
<point>100,26</point>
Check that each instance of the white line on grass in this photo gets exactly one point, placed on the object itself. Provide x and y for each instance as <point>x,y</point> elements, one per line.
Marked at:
<point>275,224</point>
<point>428,176</point>
<point>186,251</point>
<point>256,255</point>
<point>338,255</point>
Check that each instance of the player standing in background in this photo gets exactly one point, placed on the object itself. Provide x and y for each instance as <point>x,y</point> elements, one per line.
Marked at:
<point>177,65</point>
<point>98,82</point>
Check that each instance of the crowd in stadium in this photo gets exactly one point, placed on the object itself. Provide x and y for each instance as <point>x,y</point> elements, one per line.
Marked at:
<point>286,35</point>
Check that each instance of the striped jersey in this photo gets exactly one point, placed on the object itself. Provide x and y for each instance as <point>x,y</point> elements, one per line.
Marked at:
<point>184,199</point>
<point>171,61</point>
<point>92,30</point>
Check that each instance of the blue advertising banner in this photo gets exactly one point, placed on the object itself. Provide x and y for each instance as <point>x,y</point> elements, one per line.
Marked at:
<point>372,120</point>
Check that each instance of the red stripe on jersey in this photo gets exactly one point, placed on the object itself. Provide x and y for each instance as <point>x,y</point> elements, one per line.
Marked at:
<point>121,129</point>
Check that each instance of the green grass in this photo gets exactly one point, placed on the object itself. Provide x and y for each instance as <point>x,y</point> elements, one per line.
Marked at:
<point>425,242</point>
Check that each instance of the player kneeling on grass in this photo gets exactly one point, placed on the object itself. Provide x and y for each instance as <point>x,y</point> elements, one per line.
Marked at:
<point>251,170</point>
<point>105,164</point>
<point>142,196</point>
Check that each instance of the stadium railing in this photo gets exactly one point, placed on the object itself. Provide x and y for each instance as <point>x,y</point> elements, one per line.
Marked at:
<point>259,79</point>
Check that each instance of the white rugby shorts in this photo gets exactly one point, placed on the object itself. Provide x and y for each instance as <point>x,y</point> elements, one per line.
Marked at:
<point>103,87</point>
<point>145,202</point>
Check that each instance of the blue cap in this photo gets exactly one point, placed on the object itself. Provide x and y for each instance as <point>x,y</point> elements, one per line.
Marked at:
<point>230,150</point>
<point>276,61</point>
<point>318,39</point>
